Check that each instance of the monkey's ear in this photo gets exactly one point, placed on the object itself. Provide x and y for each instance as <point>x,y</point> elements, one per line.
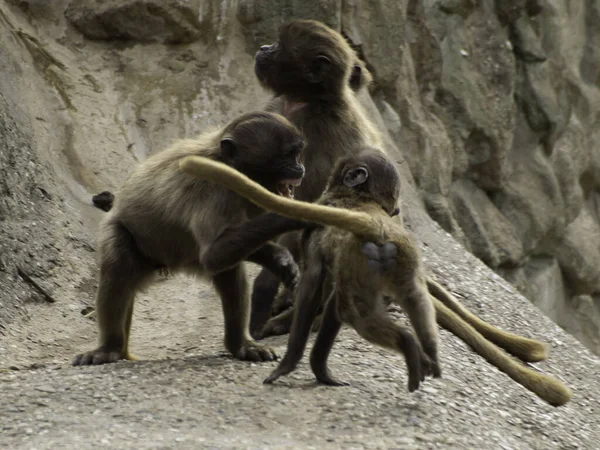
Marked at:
<point>319,68</point>
<point>356,176</point>
<point>228,148</point>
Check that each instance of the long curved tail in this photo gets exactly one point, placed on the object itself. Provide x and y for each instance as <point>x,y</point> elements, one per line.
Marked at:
<point>544,386</point>
<point>217,172</point>
<point>526,349</point>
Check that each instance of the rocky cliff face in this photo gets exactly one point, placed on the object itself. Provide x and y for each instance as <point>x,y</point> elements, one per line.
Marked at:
<point>493,105</point>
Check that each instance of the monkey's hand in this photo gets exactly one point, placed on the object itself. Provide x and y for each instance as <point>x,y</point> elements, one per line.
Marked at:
<point>381,258</point>
<point>287,269</point>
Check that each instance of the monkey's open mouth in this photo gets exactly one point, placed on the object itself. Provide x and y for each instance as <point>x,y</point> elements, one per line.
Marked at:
<point>286,187</point>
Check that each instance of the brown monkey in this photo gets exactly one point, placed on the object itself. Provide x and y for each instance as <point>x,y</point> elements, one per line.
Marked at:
<point>313,72</point>
<point>357,206</point>
<point>165,219</point>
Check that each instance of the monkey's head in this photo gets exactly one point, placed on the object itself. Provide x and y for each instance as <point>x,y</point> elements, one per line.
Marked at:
<point>371,176</point>
<point>310,60</point>
<point>267,148</point>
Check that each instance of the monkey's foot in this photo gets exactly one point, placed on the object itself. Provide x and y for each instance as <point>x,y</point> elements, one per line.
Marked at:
<point>282,302</point>
<point>252,351</point>
<point>102,355</point>
<point>281,370</point>
<point>419,366</point>
<point>329,380</point>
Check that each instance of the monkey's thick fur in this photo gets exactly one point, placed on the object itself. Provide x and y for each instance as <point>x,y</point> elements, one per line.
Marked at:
<point>165,219</point>
<point>314,74</point>
<point>370,222</point>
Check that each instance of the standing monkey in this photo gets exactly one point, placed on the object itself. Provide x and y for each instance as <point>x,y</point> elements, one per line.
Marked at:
<point>358,206</point>
<point>313,73</point>
<point>166,219</point>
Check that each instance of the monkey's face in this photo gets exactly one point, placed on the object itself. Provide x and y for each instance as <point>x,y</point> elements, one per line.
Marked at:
<point>267,148</point>
<point>371,176</point>
<point>309,60</point>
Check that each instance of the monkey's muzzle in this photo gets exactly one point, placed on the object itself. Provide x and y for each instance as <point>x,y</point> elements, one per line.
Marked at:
<point>286,187</point>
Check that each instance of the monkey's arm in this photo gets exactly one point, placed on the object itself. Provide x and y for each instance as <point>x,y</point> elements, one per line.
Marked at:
<point>246,241</point>
<point>356,222</point>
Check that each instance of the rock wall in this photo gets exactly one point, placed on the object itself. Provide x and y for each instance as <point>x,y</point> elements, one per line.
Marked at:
<point>493,104</point>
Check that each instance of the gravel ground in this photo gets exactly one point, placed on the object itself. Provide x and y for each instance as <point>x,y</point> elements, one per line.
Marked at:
<point>185,392</point>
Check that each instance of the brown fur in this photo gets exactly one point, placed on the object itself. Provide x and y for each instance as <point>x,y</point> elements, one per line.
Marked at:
<point>363,212</point>
<point>313,73</point>
<point>165,219</point>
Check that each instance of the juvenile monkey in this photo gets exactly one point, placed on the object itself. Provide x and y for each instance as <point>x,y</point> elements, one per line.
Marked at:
<point>356,210</point>
<point>166,219</point>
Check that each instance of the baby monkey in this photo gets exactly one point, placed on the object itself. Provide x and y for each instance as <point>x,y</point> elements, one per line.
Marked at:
<point>367,258</point>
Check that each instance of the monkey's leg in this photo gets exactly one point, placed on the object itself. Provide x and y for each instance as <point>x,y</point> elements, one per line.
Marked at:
<point>310,294</point>
<point>330,327</point>
<point>378,328</point>
<point>415,301</point>
<point>264,290</point>
<point>232,287</point>
<point>122,271</point>
<point>528,350</point>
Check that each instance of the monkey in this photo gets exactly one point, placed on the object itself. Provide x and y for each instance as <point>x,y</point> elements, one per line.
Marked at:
<point>314,74</point>
<point>164,219</point>
<point>360,217</point>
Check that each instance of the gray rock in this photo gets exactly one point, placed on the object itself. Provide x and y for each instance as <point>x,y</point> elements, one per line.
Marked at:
<point>169,21</point>
<point>492,238</point>
<point>260,19</point>
<point>578,253</point>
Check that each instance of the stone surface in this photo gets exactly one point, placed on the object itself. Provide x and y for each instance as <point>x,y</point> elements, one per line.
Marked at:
<point>491,237</point>
<point>169,21</point>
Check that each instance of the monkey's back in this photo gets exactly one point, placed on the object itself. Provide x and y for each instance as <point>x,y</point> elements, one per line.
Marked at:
<point>343,252</point>
<point>171,214</point>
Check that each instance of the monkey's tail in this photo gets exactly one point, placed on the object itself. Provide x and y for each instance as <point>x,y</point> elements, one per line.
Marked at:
<point>528,350</point>
<point>217,172</point>
<point>544,386</point>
